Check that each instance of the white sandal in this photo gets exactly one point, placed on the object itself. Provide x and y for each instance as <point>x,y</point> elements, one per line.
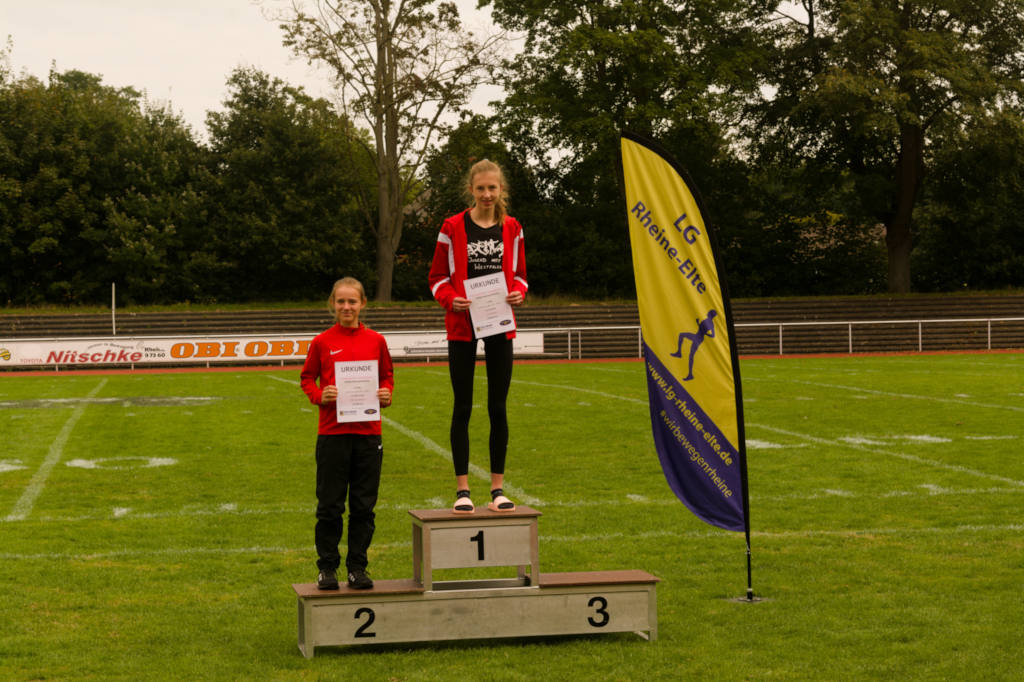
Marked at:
<point>500,503</point>
<point>463,505</point>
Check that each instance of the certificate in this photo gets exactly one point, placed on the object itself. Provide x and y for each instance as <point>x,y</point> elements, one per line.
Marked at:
<point>357,383</point>
<point>489,311</point>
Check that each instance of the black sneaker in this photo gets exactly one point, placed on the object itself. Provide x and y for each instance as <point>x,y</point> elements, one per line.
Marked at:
<point>359,580</point>
<point>327,580</point>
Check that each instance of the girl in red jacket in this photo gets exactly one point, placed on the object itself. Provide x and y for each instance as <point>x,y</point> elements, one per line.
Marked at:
<point>479,241</point>
<point>348,453</point>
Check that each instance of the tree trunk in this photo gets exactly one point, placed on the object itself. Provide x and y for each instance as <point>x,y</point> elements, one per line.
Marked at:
<point>389,183</point>
<point>898,231</point>
<point>389,233</point>
<point>385,267</point>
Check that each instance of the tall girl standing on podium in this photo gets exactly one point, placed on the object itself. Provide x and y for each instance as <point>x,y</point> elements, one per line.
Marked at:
<point>349,454</point>
<point>480,240</point>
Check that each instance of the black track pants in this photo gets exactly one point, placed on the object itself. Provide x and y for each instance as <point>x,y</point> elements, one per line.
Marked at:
<point>347,466</point>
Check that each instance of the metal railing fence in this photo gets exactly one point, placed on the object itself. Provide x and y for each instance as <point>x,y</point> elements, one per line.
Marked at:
<point>782,338</point>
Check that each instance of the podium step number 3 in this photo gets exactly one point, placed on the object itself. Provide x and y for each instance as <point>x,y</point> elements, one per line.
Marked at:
<point>530,604</point>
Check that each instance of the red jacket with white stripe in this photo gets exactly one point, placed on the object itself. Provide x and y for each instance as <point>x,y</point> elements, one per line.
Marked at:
<point>449,270</point>
<point>343,343</point>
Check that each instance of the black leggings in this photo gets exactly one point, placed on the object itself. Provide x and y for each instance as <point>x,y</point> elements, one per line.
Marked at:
<point>461,365</point>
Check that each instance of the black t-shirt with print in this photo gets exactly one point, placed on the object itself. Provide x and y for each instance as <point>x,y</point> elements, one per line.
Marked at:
<point>484,249</point>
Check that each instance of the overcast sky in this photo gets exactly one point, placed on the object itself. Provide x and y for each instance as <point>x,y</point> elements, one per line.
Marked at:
<point>177,51</point>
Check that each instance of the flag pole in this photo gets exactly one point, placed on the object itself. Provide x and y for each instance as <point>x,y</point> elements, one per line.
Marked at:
<point>746,526</point>
<point>740,420</point>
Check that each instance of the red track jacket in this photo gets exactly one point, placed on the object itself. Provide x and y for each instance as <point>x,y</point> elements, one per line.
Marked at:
<point>343,343</point>
<point>448,271</point>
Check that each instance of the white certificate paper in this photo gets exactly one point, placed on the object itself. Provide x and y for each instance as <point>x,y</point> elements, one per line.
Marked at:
<point>490,312</point>
<point>357,383</point>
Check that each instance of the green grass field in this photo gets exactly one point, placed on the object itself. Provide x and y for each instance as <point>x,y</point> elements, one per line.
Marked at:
<point>152,524</point>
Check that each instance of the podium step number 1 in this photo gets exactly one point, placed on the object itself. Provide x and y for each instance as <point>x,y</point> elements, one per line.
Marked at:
<point>528,604</point>
<point>442,539</point>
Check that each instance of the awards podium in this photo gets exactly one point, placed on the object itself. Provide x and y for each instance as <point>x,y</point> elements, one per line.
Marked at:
<point>529,604</point>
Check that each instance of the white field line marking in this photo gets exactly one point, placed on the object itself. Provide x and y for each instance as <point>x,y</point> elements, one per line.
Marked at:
<point>912,396</point>
<point>926,490</point>
<point>866,532</point>
<point>754,444</point>
<point>840,532</point>
<point>979,366</point>
<point>432,446</point>
<point>105,463</point>
<point>922,438</point>
<point>854,533</point>
<point>166,551</point>
<point>127,514</point>
<point>582,390</point>
<point>24,505</point>
<point>133,401</point>
<point>630,502</point>
<point>898,455</point>
<point>814,439</point>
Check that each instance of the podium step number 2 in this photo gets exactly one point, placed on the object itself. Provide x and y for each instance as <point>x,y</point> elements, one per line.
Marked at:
<point>423,610</point>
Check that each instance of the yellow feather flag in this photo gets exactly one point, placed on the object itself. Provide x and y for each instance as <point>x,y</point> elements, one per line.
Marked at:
<point>693,380</point>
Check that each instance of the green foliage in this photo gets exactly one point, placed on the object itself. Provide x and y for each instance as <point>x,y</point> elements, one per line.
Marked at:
<point>157,224</point>
<point>867,92</point>
<point>96,186</point>
<point>971,236</point>
<point>811,137</point>
<point>796,241</point>
<point>673,71</point>
<point>286,174</point>
<point>399,68</point>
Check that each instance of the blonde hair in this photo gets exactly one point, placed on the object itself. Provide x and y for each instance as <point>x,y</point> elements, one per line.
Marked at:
<point>345,282</point>
<point>485,166</point>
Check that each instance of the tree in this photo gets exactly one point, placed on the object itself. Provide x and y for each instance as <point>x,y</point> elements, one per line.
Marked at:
<point>399,66</point>
<point>671,70</point>
<point>973,207</point>
<point>282,196</point>
<point>866,91</point>
<point>156,223</point>
<point>94,189</point>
